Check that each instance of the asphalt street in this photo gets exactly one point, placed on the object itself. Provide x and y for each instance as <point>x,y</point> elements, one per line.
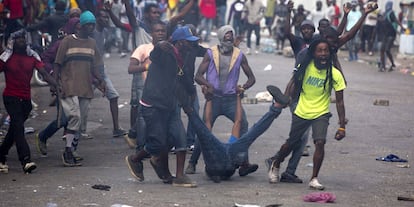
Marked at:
<point>350,170</point>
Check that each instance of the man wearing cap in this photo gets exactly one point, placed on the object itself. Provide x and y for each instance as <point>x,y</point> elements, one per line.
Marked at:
<point>159,106</point>
<point>222,64</point>
<point>77,63</point>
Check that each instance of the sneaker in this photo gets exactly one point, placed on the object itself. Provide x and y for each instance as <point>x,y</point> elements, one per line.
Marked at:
<point>248,51</point>
<point>256,52</point>
<point>250,168</point>
<point>273,173</point>
<point>277,94</point>
<point>119,132</point>
<point>69,160</point>
<point>289,178</point>
<point>190,149</point>
<point>191,169</point>
<point>86,136</point>
<point>122,55</point>
<point>370,54</point>
<point>107,55</point>
<point>135,168</point>
<point>184,181</point>
<point>314,184</point>
<point>4,168</point>
<point>40,145</point>
<point>132,143</point>
<point>77,156</point>
<point>29,167</point>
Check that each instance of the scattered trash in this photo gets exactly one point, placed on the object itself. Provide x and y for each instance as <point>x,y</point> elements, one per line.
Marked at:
<point>404,198</point>
<point>90,204</point>
<point>126,102</point>
<point>101,187</point>
<point>245,205</point>
<point>140,191</point>
<point>176,204</point>
<point>61,187</point>
<point>264,97</point>
<point>403,166</point>
<point>120,205</point>
<point>381,102</point>
<point>391,158</point>
<point>29,130</point>
<point>121,106</point>
<point>320,197</point>
<point>249,101</point>
<point>100,120</point>
<point>34,191</point>
<point>51,205</point>
<point>44,111</point>
<point>309,165</point>
<point>268,67</point>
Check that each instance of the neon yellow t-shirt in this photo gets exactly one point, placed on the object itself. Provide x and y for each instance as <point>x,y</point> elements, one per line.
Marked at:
<point>314,99</point>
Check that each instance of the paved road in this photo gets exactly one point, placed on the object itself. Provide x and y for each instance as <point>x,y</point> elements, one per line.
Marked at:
<point>350,170</point>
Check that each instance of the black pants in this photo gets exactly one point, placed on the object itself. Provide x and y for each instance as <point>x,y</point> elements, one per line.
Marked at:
<point>368,35</point>
<point>18,111</point>
<point>256,29</point>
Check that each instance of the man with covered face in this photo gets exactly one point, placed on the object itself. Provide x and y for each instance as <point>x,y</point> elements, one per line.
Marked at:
<point>222,64</point>
<point>312,84</point>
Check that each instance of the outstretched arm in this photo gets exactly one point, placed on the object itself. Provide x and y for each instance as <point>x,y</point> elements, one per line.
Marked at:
<point>175,19</point>
<point>344,20</point>
<point>349,35</point>
<point>107,8</point>
<point>288,26</point>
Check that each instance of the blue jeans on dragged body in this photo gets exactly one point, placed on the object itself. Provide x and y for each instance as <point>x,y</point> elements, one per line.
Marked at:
<point>226,106</point>
<point>222,159</point>
<point>53,126</point>
<point>191,135</point>
<point>156,129</point>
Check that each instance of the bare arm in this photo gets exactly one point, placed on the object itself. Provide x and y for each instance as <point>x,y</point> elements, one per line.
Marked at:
<point>107,8</point>
<point>248,72</point>
<point>130,14</point>
<point>340,107</point>
<point>288,26</point>
<point>202,69</point>
<point>135,66</point>
<point>349,35</point>
<point>49,79</point>
<point>344,20</point>
<point>175,19</point>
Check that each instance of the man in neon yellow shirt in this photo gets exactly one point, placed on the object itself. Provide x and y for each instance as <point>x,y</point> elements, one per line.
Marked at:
<point>311,85</point>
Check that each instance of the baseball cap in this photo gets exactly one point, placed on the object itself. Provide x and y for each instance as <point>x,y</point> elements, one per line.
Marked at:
<point>307,22</point>
<point>183,33</point>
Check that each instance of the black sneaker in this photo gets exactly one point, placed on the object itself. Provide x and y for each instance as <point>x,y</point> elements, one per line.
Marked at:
<point>135,168</point>
<point>69,160</point>
<point>29,167</point>
<point>245,170</point>
<point>277,94</point>
<point>289,178</point>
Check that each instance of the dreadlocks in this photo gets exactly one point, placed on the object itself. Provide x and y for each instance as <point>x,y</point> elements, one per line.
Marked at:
<point>303,65</point>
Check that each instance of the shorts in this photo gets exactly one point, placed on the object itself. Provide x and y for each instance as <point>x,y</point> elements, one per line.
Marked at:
<point>110,92</point>
<point>299,127</point>
<point>387,43</point>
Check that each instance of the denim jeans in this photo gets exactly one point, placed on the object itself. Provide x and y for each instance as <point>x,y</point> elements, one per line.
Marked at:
<point>238,27</point>
<point>53,127</point>
<point>18,110</point>
<point>221,14</point>
<point>221,106</point>
<point>222,159</point>
<point>298,151</point>
<point>176,131</point>
<point>206,24</point>
<point>156,127</point>
<point>191,135</point>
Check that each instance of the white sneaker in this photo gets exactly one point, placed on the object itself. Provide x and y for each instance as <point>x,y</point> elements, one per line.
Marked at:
<point>256,52</point>
<point>122,55</point>
<point>107,55</point>
<point>314,184</point>
<point>248,51</point>
<point>4,168</point>
<point>273,173</point>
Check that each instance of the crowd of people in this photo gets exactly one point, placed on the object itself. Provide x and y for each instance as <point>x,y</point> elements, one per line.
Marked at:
<point>163,49</point>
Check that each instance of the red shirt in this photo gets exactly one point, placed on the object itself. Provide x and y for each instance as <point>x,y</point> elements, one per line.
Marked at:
<point>15,7</point>
<point>18,71</point>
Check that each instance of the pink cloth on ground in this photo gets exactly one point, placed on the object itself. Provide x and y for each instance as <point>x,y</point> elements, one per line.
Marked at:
<point>320,197</point>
